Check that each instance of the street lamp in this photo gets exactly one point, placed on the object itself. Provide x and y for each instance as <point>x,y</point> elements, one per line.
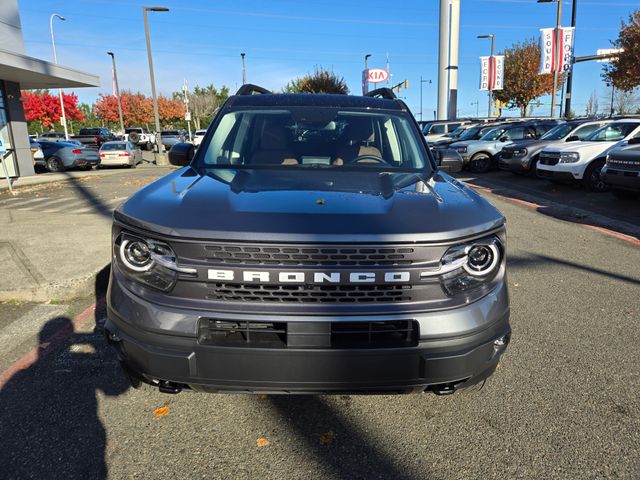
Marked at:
<point>63,117</point>
<point>493,38</point>
<point>244,69</point>
<point>115,81</point>
<point>153,80</point>
<point>365,77</point>
<point>421,82</point>
<point>557,58</point>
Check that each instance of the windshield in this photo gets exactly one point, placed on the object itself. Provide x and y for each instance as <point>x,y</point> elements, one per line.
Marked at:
<point>303,138</point>
<point>472,133</point>
<point>170,133</point>
<point>613,132</point>
<point>558,132</point>
<point>492,135</point>
<point>114,146</point>
<point>457,132</point>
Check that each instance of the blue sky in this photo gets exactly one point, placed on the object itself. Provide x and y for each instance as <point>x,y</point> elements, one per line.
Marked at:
<point>201,40</point>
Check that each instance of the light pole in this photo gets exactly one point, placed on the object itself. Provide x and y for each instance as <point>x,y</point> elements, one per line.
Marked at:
<point>477,104</point>
<point>187,114</point>
<point>153,80</point>
<point>493,38</point>
<point>115,81</point>
<point>422,82</point>
<point>244,69</point>
<point>557,56</point>
<point>567,105</point>
<point>365,78</point>
<point>63,117</point>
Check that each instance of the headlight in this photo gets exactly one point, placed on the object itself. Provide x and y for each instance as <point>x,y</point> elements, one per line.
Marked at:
<point>147,261</point>
<point>478,263</point>
<point>520,152</point>
<point>461,149</point>
<point>569,157</point>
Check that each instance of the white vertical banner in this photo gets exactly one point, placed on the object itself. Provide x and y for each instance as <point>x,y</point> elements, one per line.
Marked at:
<point>566,48</point>
<point>547,57</point>
<point>484,73</point>
<point>498,76</point>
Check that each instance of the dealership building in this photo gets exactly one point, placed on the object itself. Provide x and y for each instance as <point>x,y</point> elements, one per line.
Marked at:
<point>21,72</point>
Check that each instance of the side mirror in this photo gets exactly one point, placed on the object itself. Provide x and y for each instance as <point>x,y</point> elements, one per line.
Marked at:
<point>573,138</point>
<point>181,154</point>
<point>450,161</point>
<point>634,141</point>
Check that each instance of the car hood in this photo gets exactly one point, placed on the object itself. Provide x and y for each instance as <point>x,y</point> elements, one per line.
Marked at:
<point>584,146</point>
<point>528,143</point>
<point>186,204</point>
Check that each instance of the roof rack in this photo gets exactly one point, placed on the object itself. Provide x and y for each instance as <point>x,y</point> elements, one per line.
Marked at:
<point>250,89</point>
<point>382,93</point>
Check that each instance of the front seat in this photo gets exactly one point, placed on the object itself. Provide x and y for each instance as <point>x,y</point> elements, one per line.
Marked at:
<point>273,148</point>
<point>359,135</point>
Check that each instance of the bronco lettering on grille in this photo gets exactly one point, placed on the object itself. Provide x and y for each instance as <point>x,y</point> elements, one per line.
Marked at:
<point>308,277</point>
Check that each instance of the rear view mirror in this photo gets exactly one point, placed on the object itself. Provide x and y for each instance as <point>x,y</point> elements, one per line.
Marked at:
<point>181,154</point>
<point>573,138</point>
<point>450,161</point>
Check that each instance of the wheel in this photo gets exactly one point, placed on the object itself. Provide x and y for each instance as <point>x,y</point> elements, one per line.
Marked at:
<point>592,180</point>
<point>480,163</point>
<point>54,164</point>
<point>625,194</point>
<point>533,168</point>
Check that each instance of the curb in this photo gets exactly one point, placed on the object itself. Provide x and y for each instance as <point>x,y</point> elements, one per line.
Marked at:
<point>74,288</point>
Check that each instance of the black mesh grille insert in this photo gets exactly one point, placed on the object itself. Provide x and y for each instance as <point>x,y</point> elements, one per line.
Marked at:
<point>549,158</point>
<point>338,335</point>
<point>310,256</point>
<point>310,293</point>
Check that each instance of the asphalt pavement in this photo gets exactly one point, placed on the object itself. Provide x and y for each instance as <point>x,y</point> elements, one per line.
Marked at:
<point>563,404</point>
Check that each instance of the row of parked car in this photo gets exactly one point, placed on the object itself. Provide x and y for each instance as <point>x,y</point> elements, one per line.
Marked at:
<point>53,152</point>
<point>599,153</point>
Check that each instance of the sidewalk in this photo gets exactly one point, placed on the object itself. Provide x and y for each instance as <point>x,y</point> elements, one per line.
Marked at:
<point>41,178</point>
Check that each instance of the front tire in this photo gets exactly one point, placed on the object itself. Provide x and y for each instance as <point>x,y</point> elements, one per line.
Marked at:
<point>55,165</point>
<point>480,163</point>
<point>592,180</point>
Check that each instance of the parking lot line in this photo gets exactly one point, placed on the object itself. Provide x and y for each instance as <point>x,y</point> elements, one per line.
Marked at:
<point>21,202</point>
<point>115,202</point>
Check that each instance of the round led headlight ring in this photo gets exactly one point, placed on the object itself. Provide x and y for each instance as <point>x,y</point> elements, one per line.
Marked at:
<point>482,259</point>
<point>136,254</point>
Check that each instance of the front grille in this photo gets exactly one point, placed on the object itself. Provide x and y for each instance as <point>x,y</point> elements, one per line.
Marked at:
<point>633,165</point>
<point>338,335</point>
<point>549,158</point>
<point>310,293</point>
<point>311,256</point>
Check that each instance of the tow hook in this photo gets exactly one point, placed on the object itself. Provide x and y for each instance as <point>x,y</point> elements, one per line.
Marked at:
<point>443,388</point>
<point>169,387</point>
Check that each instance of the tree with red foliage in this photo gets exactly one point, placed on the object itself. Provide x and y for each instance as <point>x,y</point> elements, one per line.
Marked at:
<point>42,107</point>
<point>170,109</point>
<point>136,108</point>
<point>106,108</point>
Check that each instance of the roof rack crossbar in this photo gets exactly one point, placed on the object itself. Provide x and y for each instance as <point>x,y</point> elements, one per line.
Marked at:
<point>250,89</point>
<point>382,93</point>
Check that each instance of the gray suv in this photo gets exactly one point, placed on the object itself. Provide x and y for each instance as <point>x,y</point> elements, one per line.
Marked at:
<point>309,245</point>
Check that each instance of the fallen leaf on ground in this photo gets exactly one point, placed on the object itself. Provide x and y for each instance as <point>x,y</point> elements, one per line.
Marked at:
<point>327,437</point>
<point>262,442</point>
<point>161,412</point>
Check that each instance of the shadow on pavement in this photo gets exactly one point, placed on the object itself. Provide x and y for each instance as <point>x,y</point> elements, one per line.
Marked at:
<point>48,412</point>
<point>347,451</point>
<point>516,261</point>
<point>92,200</point>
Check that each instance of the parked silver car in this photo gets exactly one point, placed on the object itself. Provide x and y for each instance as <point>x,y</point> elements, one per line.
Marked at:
<point>119,154</point>
<point>60,156</point>
<point>169,138</point>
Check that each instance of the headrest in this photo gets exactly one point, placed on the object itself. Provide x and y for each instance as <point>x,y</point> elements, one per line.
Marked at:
<point>359,130</point>
<point>273,138</point>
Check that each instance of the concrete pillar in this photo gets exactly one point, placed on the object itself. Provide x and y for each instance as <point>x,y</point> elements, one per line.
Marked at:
<point>454,43</point>
<point>23,160</point>
<point>443,60</point>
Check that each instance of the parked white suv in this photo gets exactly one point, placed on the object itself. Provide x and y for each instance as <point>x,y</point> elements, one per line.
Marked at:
<point>434,131</point>
<point>583,161</point>
<point>198,136</point>
<point>140,137</point>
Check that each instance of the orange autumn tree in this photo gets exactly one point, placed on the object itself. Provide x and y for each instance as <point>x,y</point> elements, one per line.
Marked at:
<point>170,110</point>
<point>137,109</point>
<point>522,84</point>
<point>624,72</point>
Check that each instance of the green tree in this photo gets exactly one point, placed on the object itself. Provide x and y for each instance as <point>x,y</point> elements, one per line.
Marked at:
<point>203,102</point>
<point>320,81</point>
<point>624,73</point>
<point>522,84</point>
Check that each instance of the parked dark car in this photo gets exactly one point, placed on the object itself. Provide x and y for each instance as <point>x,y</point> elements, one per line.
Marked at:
<point>61,156</point>
<point>621,171</point>
<point>310,245</point>
<point>94,137</point>
<point>522,156</point>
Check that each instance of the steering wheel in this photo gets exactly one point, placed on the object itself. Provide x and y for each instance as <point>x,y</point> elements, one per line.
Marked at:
<point>367,156</point>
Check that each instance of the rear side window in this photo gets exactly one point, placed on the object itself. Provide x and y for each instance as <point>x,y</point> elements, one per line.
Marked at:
<point>452,126</point>
<point>584,132</point>
<point>437,129</point>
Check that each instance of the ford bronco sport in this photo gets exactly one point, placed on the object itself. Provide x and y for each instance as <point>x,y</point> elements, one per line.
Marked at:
<point>310,245</point>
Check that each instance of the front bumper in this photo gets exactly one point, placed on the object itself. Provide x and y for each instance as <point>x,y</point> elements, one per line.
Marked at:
<point>514,164</point>
<point>564,177</point>
<point>623,179</point>
<point>456,349</point>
